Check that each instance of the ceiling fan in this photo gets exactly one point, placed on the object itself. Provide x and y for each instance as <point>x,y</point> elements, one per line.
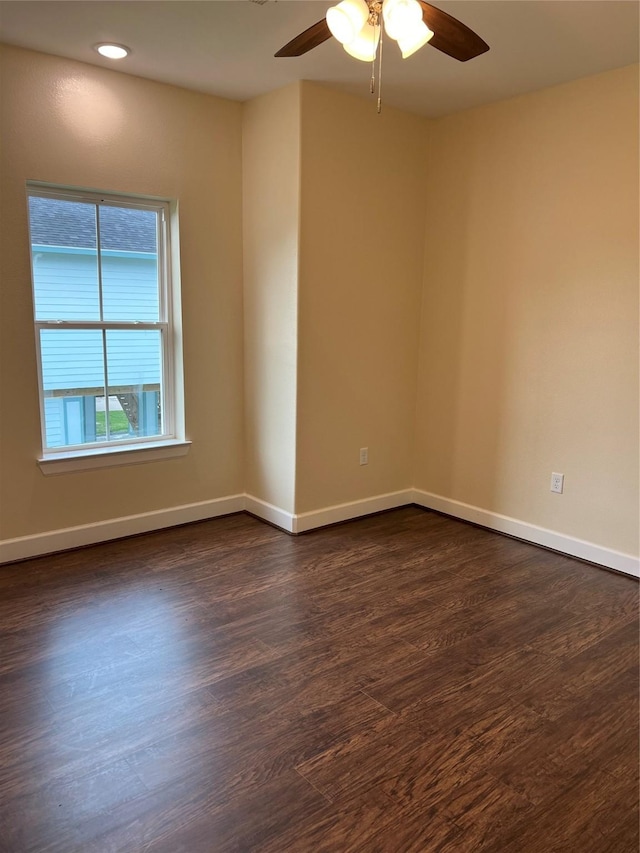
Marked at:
<point>412,23</point>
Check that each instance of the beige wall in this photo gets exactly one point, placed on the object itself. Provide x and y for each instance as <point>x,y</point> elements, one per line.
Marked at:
<point>333,276</point>
<point>271,189</point>
<point>69,123</point>
<point>362,234</point>
<point>529,358</point>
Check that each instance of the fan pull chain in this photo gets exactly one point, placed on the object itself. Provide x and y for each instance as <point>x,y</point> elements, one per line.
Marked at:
<point>380,72</point>
<point>372,86</point>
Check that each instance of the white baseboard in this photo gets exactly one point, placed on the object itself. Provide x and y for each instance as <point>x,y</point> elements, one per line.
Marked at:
<point>89,534</point>
<point>268,512</point>
<point>354,509</point>
<point>617,560</point>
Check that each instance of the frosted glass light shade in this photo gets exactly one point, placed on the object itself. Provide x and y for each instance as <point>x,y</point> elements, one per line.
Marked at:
<point>347,19</point>
<point>419,36</point>
<point>401,17</point>
<point>365,44</point>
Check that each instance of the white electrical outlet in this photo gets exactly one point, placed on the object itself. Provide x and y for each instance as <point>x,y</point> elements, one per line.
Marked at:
<point>364,455</point>
<point>557,483</point>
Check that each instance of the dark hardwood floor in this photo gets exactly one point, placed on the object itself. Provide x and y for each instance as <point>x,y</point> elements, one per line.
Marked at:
<point>404,682</point>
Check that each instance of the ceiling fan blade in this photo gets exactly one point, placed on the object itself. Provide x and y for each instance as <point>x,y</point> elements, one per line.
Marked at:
<point>307,40</point>
<point>450,35</point>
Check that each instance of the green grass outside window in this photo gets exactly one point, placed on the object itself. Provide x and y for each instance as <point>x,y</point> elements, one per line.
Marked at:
<point>117,422</point>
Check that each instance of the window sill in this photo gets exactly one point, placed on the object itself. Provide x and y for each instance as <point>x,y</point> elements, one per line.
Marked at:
<point>64,463</point>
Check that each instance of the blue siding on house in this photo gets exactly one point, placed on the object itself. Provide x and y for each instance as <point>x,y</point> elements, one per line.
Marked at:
<point>66,286</point>
<point>54,421</point>
<point>130,288</point>
<point>72,359</point>
<point>141,368</point>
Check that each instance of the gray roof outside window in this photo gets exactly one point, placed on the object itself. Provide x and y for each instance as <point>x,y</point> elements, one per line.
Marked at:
<point>55,222</point>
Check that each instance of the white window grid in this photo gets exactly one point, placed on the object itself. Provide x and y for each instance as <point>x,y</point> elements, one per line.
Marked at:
<point>164,324</point>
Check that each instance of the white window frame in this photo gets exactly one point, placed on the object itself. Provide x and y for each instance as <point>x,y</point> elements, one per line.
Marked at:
<point>134,449</point>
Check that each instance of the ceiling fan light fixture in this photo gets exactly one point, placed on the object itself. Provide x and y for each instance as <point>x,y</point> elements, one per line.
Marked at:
<point>347,19</point>
<point>401,17</point>
<point>365,44</point>
<point>418,37</point>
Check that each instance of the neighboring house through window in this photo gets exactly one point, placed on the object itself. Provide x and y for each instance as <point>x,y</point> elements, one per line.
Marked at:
<point>103,317</point>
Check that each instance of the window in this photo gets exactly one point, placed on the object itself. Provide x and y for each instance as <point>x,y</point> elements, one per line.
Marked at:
<point>103,319</point>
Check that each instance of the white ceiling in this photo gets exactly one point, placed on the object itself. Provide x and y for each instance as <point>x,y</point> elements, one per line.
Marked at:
<point>226,47</point>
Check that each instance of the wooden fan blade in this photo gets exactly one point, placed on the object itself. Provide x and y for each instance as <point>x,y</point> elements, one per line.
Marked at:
<point>450,35</point>
<point>307,40</point>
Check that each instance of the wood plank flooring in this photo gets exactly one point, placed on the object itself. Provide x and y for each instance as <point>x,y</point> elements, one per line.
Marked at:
<point>400,683</point>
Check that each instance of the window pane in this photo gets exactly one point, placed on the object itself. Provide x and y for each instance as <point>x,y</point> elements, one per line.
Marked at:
<point>129,253</point>
<point>134,368</point>
<point>101,292</point>
<point>72,379</point>
<point>65,259</point>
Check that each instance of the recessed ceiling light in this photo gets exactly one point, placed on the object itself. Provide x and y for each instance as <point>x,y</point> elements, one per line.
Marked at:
<point>112,51</point>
